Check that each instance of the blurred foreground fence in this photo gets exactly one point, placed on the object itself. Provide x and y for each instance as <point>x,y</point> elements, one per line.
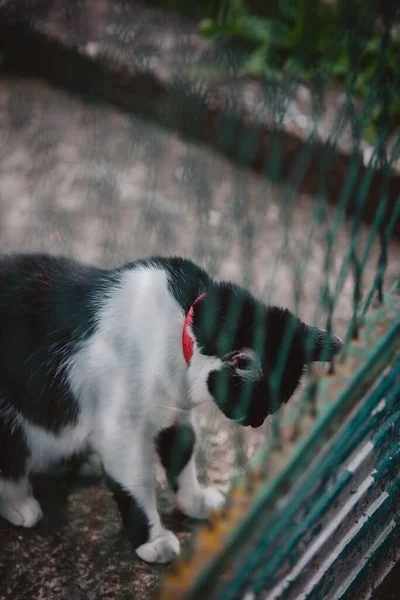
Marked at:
<point>316,515</point>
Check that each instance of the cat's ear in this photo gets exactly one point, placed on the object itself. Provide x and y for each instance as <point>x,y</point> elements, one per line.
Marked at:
<point>321,345</point>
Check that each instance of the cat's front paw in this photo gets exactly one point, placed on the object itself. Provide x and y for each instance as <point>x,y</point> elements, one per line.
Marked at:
<point>25,512</point>
<point>162,549</point>
<point>202,504</point>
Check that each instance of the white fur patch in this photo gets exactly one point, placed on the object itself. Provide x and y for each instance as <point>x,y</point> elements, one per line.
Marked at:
<point>133,369</point>
<point>17,504</point>
<point>46,448</point>
<point>161,549</point>
<point>197,376</point>
<point>23,512</point>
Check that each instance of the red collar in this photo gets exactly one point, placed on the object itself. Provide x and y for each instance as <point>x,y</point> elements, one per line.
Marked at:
<point>187,340</point>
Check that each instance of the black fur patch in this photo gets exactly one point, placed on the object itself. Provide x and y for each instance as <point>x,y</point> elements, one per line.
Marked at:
<point>133,516</point>
<point>228,319</point>
<point>175,447</point>
<point>13,448</point>
<point>47,307</point>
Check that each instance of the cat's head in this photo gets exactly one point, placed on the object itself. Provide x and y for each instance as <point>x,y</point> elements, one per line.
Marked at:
<point>260,352</point>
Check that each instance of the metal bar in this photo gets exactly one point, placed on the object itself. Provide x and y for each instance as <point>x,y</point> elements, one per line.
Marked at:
<point>282,522</point>
<point>372,563</point>
<point>355,506</point>
<point>319,508</point>
<point>270,523</point>
<point>375,523</point>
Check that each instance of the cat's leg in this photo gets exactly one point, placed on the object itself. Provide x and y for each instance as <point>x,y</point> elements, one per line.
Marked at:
<point>129,467</point>
<point>175,446</point>
<point>17,503</point>
<point>91,466</point>
<point>87,465</point>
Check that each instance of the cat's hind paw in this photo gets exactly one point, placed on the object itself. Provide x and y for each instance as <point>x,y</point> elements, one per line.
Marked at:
<point>162,549</point>
<point>25,512</point>
<point>201,505</point>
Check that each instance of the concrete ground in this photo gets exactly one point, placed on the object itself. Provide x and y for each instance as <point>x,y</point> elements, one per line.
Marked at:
<point>106,187</point>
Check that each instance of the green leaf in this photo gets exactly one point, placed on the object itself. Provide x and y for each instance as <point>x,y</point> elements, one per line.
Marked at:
<point>255,29</point>
<point>341,66</point>
<point>394,60</point>
<point>376,112</point>
<point>362,84</point>
<point>294,67</point>
<point>208,28</point>
<point>291,9</point>
<point>257,61</point>
<point>372,46</point>
<point>280,34</point>
<point>371,133</point>
<point>264,30</point>
<point>232,10</point>
<point>394,109</point>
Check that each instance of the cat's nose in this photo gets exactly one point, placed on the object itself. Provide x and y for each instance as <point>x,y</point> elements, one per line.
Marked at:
<point>250,422</point>
<point>257,422</point>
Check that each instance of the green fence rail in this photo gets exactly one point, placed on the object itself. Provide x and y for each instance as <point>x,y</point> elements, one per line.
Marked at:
<point>342,500</point>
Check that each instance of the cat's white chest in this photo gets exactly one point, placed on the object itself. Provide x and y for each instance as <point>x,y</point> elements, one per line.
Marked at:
<point>167,410</point>
<point>135,358</point>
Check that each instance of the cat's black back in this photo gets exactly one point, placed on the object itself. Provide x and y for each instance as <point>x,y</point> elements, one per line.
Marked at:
<point>47,308</point>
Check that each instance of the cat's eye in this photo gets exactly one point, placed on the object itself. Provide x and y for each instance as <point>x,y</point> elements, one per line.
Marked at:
<point>242,362</point>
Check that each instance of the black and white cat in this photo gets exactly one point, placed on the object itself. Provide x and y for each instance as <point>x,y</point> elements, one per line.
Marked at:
<point>115,361</point>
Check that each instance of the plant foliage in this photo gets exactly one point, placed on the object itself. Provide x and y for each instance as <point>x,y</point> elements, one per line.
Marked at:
<point>319,41</point>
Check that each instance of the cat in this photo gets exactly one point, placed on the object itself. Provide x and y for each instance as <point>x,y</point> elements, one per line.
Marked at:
<point>116,360</point>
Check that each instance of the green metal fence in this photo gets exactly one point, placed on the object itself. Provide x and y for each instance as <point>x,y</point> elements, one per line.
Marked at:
<point>320,522</point>
<point>312,519</point>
